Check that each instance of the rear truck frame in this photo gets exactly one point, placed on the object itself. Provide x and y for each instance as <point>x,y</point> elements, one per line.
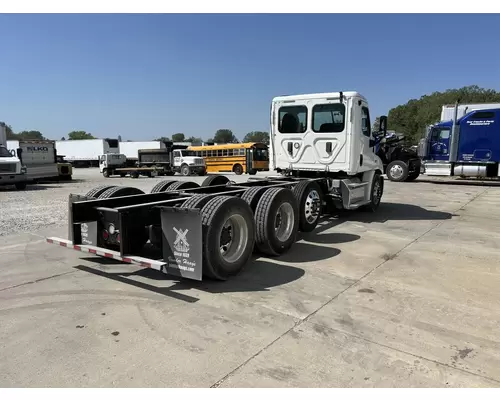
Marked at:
<point>324,150</point>
<point>192,231</point>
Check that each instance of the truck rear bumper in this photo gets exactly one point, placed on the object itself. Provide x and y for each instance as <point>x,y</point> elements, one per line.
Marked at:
<point>115,255</point>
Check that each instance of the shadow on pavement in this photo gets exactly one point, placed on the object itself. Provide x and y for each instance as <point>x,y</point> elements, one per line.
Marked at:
<point>395,212</point>
<point>259,275</point>
<point>455,181</point>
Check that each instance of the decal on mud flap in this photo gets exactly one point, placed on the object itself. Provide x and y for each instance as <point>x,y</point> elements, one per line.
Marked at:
<point>89,233</point>
<point>182,242</point>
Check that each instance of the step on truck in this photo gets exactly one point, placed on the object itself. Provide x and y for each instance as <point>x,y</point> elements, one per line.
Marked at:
<point>324,153</point>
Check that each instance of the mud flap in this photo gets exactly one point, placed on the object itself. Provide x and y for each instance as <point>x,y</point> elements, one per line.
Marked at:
<point>182,242</point>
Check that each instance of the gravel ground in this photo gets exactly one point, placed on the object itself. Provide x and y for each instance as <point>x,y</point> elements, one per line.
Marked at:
<point>45,205</point>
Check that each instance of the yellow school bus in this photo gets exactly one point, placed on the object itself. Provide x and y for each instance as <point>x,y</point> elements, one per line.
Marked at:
<point>235,157</point>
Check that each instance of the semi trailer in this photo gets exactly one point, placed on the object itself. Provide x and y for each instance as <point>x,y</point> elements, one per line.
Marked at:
<point>38,156</point>
<point>86,152</point>
<point>324,156</point>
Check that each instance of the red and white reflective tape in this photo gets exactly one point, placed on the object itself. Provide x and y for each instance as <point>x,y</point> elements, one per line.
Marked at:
<point>141,261</point>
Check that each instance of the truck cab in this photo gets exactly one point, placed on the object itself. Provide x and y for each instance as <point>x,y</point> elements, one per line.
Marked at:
<point>467,147</point>
<point>326,132</point>
<point>329,135</point>
<point>12,170</point>
<point>187,162</point>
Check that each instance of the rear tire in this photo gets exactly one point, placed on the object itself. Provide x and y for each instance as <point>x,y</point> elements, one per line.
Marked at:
<point>20,185</point>
<point>413,176</point>
<point>397,171</point>
<point>228,236</point>
<point>276,221</point>
<point>310,199</point>
<point>253,195</point>
<point>97,191</point>
<point>182,185</point>
<point>197,201</point>
<point>162,186</point>
<point>215,180</point>
<point>238,169</point>
<point>120,191</point>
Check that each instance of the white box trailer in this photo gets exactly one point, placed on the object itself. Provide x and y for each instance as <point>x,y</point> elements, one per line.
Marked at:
<point>131,149</point>
<point>448,110</point>
<point>38,156</point>
<point>86,152</point>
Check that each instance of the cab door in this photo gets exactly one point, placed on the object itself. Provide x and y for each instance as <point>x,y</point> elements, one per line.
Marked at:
<point>439,143</point>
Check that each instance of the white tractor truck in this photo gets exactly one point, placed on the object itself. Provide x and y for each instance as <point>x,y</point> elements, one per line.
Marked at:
<point>12,171</point>
<point>324,151</point>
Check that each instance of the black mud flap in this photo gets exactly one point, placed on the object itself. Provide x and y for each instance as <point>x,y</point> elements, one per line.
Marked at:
<point>182,242</point>
<point>88,232</point>
<point>81,233</point>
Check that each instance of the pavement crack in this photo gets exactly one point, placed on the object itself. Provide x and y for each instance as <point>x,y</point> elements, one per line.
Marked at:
<point>309,316</point>
<point>37,280</point>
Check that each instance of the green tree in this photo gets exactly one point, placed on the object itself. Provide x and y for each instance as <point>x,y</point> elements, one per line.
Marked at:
<point>178,137</point>
<point>225,136</point>
<point>9,132</point>
<point>257,136</point>
<point>30,135</point>
<point>79,135</point>
<point>193,139</point>
<point>163,139</point>
<point>413,117</point>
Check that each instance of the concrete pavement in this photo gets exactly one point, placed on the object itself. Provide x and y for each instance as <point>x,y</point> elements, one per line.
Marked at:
<point>403,298</point>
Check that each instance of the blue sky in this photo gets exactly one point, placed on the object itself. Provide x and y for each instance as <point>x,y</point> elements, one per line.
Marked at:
<point>144,76</point>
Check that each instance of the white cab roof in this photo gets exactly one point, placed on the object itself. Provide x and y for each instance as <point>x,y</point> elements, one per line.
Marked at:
<point>312,96</point>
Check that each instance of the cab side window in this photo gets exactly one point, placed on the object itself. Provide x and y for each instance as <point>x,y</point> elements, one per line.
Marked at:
<point>365,122</point>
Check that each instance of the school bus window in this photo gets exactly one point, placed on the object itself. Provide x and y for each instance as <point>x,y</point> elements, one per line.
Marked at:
<point>261,155</point>
<point>242,152</point>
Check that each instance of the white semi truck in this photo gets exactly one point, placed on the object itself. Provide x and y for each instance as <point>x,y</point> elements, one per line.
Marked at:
<point>38,156</point>
<point>12,171</point>
<point>86,152</point>
<point>324,150</point>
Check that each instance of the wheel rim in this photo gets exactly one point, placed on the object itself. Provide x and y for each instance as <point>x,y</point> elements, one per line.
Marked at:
<point>312,206</point>
<point>284,221</point>
<point>376,191</point>
<point>233,238</point>
<point>396,171</point>
<point>185,171</point>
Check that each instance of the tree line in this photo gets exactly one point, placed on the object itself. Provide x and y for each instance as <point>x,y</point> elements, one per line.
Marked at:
<point>221,136</point>
<point>410,119</point>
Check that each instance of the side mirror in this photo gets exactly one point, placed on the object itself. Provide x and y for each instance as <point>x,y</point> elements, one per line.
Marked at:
<point>19,154</point>
<point>383,124</point>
